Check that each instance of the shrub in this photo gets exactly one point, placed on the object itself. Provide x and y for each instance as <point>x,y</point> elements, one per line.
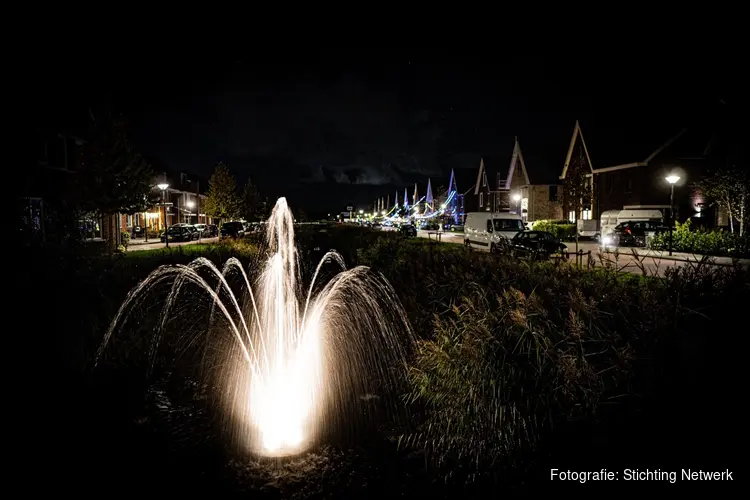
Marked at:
<point>510,351</point>
<point>561,229</point>
<point>500,369</point>
<point>721,243</point>
<point>125,238</point>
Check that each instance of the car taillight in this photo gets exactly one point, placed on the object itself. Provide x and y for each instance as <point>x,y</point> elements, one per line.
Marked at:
<point>627,230</point>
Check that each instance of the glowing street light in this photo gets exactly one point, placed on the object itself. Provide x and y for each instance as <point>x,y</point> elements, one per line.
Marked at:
<point>190,204</point>
<point>163,186</point>
<point>672,180</point>
<point>361,212</point>
<point>517,199</point>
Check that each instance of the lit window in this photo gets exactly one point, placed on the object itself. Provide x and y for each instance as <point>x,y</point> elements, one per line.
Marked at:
<point>572,216</point>
<point>481,200</point>
<point>586,215</point>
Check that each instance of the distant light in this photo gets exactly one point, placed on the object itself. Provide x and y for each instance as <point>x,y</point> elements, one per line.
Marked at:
<point>672,179</point>
<point>382,213</point>
<point>361,211</point>
<point>162,186</point>
<point>516,197</point>
<point>190,204</point>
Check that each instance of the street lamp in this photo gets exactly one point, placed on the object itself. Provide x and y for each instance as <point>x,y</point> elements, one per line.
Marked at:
<point>163,188</point>
<point>190,204</point>
<point>672,180</point>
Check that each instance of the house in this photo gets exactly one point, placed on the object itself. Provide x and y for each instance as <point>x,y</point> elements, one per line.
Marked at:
<point>44,184</point>
<point>513,191</point>
<point>634,175</point>
<point>183,201</point>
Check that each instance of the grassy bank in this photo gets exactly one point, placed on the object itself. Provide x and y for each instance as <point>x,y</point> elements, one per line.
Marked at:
<point>514,355</point>
<point>518,364</point>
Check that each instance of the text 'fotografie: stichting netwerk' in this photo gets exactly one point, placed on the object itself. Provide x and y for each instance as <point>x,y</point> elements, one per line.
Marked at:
<point>641,475</point>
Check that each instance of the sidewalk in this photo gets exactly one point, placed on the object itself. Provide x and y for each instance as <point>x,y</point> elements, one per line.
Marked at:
<point>684,257</point>
<point>142,241</point>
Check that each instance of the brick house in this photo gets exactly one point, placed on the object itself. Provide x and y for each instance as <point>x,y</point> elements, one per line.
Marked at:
<point>634,176</point>
<point>185,197</point>
<point>535,201</point>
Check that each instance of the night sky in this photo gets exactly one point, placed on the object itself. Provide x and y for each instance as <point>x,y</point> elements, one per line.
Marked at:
<point>325,129</point>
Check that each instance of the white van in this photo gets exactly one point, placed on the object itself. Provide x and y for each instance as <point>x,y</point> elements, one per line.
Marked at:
<point>483,230</point>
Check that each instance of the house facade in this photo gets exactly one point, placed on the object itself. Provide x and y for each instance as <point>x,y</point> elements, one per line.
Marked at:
<point>512,190</point>
<point>641,183</point>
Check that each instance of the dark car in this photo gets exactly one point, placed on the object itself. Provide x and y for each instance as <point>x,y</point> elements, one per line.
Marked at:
<point>194,233</point>
<point>536,245</point>
<point>408,230</point>
<point>207,230</point>
<point>429,226</point>
<point>232,230</point>
<point>636,234</point>
<point>210,230</point>
<point>178,233</point>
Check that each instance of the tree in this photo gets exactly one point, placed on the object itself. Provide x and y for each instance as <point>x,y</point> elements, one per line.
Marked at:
<point>223,201</point>
<point>577,187</point>
<point>729,189</point>
<point>113,178</point>
<point>251,202</point>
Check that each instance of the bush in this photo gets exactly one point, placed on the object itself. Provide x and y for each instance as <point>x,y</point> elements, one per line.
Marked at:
<point>510,351</point>
<point>720,243</point>
<point>125,239</point>
<point>499,369</point>
<point>561,229</point>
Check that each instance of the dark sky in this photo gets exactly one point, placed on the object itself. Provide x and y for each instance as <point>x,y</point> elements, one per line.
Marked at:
<point>328,128</point>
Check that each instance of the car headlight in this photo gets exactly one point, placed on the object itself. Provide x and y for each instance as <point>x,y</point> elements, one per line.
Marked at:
<point>607,240</point>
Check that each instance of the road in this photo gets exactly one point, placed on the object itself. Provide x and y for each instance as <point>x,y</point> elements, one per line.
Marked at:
<point>160,244</point>
<point>625,261</point>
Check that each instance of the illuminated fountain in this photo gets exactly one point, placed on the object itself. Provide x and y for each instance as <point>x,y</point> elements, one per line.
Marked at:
<point>289,364</point>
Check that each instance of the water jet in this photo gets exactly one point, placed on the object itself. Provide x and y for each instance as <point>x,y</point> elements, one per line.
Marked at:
<point>289,365</point>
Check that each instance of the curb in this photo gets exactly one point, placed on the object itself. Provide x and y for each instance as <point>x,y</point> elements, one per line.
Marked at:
<point>695,260</point>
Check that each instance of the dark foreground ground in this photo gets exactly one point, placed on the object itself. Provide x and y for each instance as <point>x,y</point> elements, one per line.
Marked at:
<point>106,439</point>
<point>96,434</point>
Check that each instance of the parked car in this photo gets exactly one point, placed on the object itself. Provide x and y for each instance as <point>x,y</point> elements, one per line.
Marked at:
<point>179,233</point>
<point>207,230</point>
<point>611,218</point>
<point>232,230</point>
<point>408,230</point>
<point>633,233</point>
<point>429,226</point>
<point>193,231</point>
<point>491,232</point>
<point>538,245</point>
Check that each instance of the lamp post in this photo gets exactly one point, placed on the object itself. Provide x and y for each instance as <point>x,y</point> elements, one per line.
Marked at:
<point>163,188</point>
<point>190,204</point>
<point>672,180</point>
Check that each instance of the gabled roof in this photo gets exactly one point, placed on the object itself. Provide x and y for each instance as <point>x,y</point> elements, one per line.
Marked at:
<point>646,161</point>
<point>516,161</point>
<point>576,134</point>
<point>481,176</point>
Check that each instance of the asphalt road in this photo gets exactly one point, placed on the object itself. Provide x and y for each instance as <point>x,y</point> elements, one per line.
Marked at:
<point>625,261</point>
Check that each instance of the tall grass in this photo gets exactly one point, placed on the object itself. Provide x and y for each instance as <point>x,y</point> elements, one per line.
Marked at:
<point>512,350</point>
